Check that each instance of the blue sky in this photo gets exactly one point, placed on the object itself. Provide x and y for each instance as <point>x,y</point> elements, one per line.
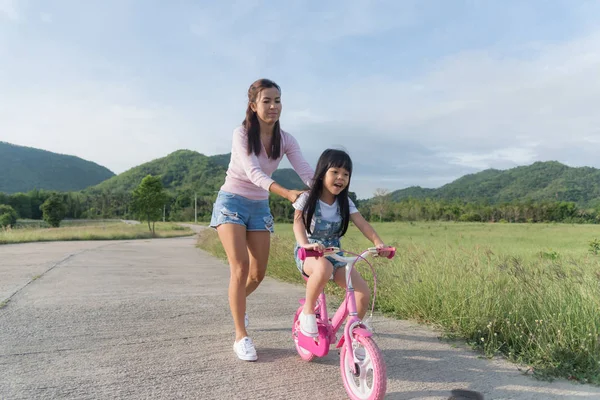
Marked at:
<point>419,92</point>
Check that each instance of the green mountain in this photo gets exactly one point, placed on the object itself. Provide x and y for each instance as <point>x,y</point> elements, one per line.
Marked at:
<point>540,181</point>
<point>25,168</point>
<point>187,170</point>
<point>286,177</point>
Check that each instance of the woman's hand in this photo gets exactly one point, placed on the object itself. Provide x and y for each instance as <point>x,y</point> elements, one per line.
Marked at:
<point>293,195</point>
<point>289,194</point>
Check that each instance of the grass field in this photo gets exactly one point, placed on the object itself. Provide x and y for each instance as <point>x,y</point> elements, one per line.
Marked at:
<point>92,230</point>
<point>37,223</point>
<point>530,292</point>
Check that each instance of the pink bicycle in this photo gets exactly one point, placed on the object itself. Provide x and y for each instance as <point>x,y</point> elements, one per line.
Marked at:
<point>361,361</point>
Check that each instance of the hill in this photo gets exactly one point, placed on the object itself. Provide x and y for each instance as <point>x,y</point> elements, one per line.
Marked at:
<point>286,177</point>
<point>187,170</point>
<point>26,168</point>
<point>540,181</point>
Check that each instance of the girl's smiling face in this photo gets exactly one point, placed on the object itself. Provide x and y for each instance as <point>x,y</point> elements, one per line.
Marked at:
<point>336,180</point>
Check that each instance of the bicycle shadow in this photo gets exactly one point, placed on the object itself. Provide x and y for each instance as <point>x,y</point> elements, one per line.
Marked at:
<point>273,330</point>
<point>461,373</point>
<point>271,354</point>
<point>456,394</point>
<point>413,338</point>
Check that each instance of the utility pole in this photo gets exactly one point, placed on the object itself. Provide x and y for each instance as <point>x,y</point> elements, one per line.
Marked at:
<point>164,212</point>
<point>195,208</point>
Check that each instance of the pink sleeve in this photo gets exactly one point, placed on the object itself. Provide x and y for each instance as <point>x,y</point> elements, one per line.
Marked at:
<point>300,165</point>
<point>249,161</point>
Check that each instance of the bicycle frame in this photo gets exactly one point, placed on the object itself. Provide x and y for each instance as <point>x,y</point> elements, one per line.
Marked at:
<point>328,329</point>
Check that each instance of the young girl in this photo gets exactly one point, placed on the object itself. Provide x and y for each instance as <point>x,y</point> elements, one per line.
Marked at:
<point>321,218</point>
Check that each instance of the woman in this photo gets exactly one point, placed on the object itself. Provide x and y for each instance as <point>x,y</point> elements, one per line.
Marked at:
<point>241,213</point>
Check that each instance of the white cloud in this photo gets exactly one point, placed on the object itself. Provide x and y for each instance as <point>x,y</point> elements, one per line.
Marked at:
<point>46,17</point>
<point>469,112</point>
<point>514,155</point>
<point>258,34</point>
<point>9,9</point>
<point>343,19</point>
<point>299,117</point>
<point>491,107</point>
<point>99,122</point>
<point>488,107</point>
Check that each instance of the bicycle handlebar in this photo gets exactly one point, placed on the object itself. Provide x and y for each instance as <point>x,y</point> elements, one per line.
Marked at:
<point>304,253</point>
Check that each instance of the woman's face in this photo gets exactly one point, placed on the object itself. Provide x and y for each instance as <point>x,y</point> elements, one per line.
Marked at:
<point>268,105</point>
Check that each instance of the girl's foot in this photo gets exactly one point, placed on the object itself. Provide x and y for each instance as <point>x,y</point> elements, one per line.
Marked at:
<point>308,325</point>
<point>245,350</point>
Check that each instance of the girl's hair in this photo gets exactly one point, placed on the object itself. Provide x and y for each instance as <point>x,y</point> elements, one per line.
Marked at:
<point>329,159</point>
<point>251,122</point>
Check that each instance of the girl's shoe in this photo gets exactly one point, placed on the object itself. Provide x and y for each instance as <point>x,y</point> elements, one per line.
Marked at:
<point>308,325</point>
<point>245,350</point>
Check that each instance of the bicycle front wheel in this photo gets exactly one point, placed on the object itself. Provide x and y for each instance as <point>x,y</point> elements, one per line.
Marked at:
<point>369,382</point>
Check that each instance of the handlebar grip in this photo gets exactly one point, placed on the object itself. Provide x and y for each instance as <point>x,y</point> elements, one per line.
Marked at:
<point>303,253</point>
<point>391,250</point>
<point>392,253</point>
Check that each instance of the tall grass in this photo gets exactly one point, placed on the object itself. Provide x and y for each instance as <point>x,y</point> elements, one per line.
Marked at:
<point>38,223</point>
<point>97,231</point>
<point>528,292</point>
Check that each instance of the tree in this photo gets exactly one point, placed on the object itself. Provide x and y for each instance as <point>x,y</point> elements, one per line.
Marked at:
<point>381,201</point>
<point>148,200</point>
<point>21,202</point>
<point>36,199</point>
<point>8,216</point>
<point>53,210</point>
<point>281,208</point>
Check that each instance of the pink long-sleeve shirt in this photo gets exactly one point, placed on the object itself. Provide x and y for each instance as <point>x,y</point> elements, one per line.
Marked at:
<point>249,175</point>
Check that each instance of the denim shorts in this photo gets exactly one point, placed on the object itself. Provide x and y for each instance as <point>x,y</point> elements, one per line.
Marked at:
<point>336,263</point>
<point>230,208</point>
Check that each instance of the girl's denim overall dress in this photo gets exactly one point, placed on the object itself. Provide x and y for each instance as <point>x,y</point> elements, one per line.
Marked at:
<point>328,234</point>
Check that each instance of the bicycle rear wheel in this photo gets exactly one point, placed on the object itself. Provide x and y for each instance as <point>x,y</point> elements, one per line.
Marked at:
<point>370,380</point>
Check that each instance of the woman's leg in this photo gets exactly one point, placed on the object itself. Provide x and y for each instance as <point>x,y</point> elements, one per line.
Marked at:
<point>259,244</point>
<point>233,238</point>
<point>319,271</point>
<point>362,293</point>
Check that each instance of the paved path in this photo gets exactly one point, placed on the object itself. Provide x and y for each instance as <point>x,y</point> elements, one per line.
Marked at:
<point>149,319</point>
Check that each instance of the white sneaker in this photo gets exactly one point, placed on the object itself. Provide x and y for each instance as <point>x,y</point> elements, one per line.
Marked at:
<point>246,321</point>
<point>308,325</point>
<point>245,349</point>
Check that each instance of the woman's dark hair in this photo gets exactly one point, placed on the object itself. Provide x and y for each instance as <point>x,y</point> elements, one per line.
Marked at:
<point>251,122</point>
<point>329,159</point>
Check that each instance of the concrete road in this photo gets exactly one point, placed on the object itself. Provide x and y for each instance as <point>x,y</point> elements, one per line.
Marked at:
<point>150,319</point>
